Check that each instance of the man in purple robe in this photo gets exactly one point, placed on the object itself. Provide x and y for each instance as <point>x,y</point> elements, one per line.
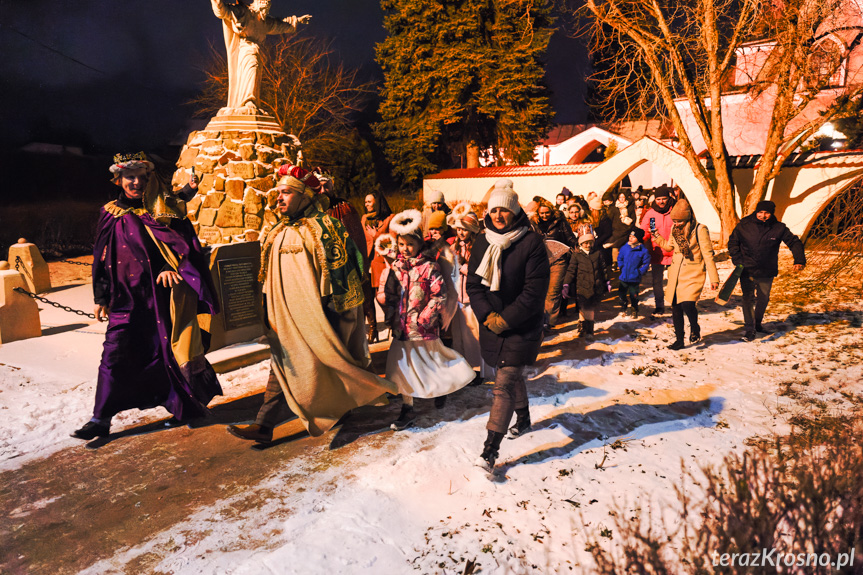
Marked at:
<point>150,281</point>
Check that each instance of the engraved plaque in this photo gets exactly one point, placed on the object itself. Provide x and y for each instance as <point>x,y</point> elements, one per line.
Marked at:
<point>238,286</point>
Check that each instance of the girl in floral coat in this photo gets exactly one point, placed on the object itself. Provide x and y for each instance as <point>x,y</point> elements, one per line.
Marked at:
<point>415,296</point>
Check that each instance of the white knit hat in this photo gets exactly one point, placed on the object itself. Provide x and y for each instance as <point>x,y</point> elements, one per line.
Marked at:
<point>433,196</point>
<point>503,196</point>
<point>585,237</point>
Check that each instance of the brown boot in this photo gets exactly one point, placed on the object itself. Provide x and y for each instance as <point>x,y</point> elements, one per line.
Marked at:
<point>253,432</point>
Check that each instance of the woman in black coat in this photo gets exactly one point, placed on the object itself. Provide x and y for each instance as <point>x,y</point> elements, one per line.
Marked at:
<point>507,282</point>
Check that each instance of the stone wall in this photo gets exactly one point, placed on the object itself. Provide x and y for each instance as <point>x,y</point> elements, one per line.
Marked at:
<point>236,170</point>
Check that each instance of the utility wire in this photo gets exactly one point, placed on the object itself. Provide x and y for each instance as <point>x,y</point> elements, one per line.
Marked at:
<point>64,55</point>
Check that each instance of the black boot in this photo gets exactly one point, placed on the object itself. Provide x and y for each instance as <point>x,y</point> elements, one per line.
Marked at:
<point>522,423</point>
<point>92,429</point>
<point>489,451</point>
<point>254,432</point>
<point>588,329</point>
<point>406,418</point>
<point>694,333</point>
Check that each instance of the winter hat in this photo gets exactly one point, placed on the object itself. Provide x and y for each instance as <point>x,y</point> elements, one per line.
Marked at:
<point>437,221</point>
<point>435,196</point>
<point>662,192</point>
<point>565,193</point>
<point>681,212</point>
<point>595,203</point>
<point>585,237</point>
<point>765,206</point>
<point>325,179</point>
<point>608,196</point>
<point>298,179</point>
<point>531,207</point>
<point>503,196</point>
<point>639,234</point>
<point>408,223</point>
<point>129,162</point>
<point>469,222</point>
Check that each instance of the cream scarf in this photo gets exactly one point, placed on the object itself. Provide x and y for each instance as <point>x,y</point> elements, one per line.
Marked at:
<point>489,267</point>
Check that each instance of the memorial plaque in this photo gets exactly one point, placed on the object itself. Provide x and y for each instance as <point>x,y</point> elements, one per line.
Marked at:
<point>238,285</point>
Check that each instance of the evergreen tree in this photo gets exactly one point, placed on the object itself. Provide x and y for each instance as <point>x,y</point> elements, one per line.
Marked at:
<point>462,75</point>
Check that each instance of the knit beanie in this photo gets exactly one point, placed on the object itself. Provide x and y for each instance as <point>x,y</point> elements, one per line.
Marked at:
<point>765,206</point>
<point>585,237</point>
<point>595,203</point>
<point>469,222</point>
<point>608,196</point>
<point>503,196</point>
<point>437,221</point>
<point>681,212</point>
<point>662,192</point>
<point>639,234</point>
<point>433,196</point>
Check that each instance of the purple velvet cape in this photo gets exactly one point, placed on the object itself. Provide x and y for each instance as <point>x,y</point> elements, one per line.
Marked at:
<point>138,367</point>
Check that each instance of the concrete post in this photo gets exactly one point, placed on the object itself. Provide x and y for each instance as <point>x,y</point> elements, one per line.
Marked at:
<point>19,314</point>
<point>34,268</point>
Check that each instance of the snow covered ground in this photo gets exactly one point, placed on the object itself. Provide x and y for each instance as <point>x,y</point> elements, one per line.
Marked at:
<point>615,424</point>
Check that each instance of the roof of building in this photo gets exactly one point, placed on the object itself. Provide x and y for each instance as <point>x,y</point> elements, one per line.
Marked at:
<point>510,171</point>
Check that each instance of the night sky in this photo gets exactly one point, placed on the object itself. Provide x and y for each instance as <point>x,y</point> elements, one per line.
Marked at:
<point>115,75</point>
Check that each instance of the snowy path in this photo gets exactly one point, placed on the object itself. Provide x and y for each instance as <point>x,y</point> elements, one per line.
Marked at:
<point>362,499</point>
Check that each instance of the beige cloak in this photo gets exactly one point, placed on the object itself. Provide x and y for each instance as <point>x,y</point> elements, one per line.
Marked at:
<point>320,378</point>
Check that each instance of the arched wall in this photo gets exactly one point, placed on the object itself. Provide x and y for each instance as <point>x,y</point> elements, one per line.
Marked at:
<point>589,139</point>
<point>801,193</point>
<point>610,172</point>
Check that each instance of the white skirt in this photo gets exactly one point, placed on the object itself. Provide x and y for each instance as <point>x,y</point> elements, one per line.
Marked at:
<point>465,339</point>
<point>427,368</point>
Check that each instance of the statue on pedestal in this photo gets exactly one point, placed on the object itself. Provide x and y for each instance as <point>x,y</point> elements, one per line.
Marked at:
<point>245,29</point>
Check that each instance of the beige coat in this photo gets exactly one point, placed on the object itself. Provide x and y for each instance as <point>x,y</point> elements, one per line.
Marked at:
<point>685,277</point>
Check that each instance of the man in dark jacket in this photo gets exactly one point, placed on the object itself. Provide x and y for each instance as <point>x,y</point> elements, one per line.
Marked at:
<point>557,234</point>
<point>754,244</point>
<point>507,282</point>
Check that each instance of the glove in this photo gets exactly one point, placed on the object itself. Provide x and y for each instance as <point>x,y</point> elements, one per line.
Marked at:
<point>564,292</point>
<point>495,323</point>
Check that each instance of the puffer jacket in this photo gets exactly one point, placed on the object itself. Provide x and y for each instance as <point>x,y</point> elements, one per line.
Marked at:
<point>588,273</point>
<point>633,262</point>
<point>520,300</point>
<point>755,245</point>
<point>415,296</point>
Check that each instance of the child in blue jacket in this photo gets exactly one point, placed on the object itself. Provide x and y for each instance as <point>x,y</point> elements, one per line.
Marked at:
<point>633,261</point>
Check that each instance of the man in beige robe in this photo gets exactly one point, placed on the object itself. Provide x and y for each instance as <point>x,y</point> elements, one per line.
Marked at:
<point>312,274</point>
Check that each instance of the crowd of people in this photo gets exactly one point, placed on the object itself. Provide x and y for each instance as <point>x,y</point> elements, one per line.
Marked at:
<point>466,292</point>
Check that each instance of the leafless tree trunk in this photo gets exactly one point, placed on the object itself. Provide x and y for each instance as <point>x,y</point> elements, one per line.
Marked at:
<point>665,56</point>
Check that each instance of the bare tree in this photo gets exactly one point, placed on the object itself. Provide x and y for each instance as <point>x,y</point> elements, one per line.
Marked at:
<point>311,94</point>
<point>668,58</point>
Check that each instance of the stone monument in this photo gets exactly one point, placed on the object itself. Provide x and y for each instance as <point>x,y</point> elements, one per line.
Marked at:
<point>238,152</point>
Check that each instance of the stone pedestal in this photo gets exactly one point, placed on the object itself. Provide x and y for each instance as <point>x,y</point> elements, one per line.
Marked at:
<point>236,158</point>
<point>32,265</point>
<point>19,314</point>
<point>235,270</point>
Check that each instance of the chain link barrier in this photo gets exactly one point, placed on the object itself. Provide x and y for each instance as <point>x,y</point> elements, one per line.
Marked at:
<point>53,303</point>
<point>75,263</point>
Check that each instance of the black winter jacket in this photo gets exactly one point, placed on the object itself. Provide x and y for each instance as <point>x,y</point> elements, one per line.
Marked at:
<point>558,230</point>
<point>755,245</point>
<point>588,273</point>
<point>520,300</point>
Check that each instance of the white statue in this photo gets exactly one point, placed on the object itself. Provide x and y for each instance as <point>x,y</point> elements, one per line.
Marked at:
<point>245,29</point>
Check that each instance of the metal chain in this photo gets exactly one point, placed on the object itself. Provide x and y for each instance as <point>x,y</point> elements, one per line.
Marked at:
<point>76,263</point>
<point>53,303</point>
